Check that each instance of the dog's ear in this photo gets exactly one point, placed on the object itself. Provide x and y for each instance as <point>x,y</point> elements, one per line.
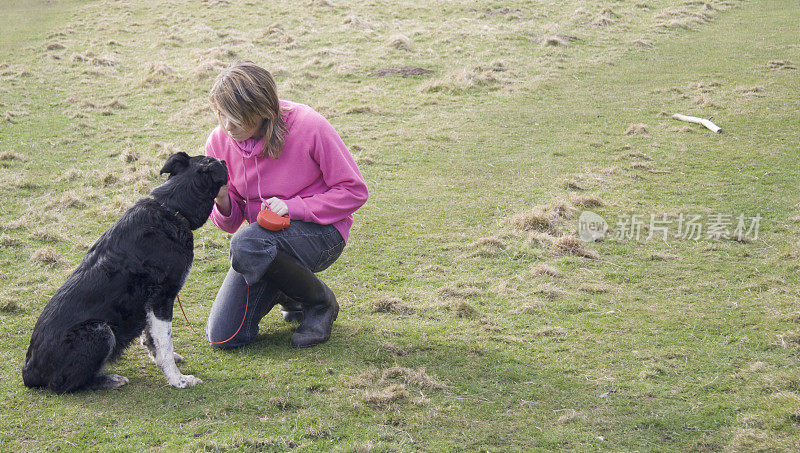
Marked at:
<point>176,163</point>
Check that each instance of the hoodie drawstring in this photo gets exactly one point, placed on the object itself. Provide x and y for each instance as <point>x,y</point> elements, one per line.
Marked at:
<point>246,190</point>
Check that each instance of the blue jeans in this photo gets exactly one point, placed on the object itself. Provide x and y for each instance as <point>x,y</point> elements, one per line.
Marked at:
<point>252,250</point>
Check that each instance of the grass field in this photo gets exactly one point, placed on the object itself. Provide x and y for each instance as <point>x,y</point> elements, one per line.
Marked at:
<point>473,318</point>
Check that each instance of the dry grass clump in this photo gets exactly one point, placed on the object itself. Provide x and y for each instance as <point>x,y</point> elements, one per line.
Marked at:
<point>586,201</point>
<point>44,235</point>
<point>9,306</point>
<point>636,129</point>
<point>366,158</point>
<point>605,19</point>
<point>460,291</point>
<point>409,376</point>
<point>581,15</point>
<point>114,104</point>
<point>540,238</point>
<point>9,115</point>
<point>159,68</point>
<point>705,86</point>
<point>681,18</point>
<point>537,219</point>
<point>489,12</point>
<point>555,40</point>
<point>129,155</point>
<point>750,91</point>
<point>90,58</point>
<point>121,204</point>
<point>208,67</point>
<point>106,107</point>
<point>275,34</point>
<point>528,308</point>
<point>383,398</point>
<point>571,416</point>
<point>71,199</point>
<point>383,389</point>
<point>399,41</point>
<point>561,208</point>
<point>637,155</point>
<point>467,79</point>
<point>609,170</point>
<point>780,64</point>
<point>358,23</point>
<point>550,331</point>
<point>359,109</point>
<point>641,166</point>
<point>159,71</point>
<point>546,269</point>
<point>71,175</point>
<point>47,256</point>
<point>488,246</point>
<point>574,184</point>
<point>661,257</point>
<point>405,71</point>
<point>9,155</point>
<point>740,237</point>
<point>8,241</point>
<point>109,179</point>
<point>703,100</point>
<point>543,222</point>
<point>394,348</point>
<point>573,246</point>
<point>465,310</point>
<point>391,305</point>
<point>550,291</point>
<point>596,288</point>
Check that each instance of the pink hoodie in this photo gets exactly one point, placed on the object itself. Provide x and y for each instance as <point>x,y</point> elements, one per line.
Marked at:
<point>315,174</point>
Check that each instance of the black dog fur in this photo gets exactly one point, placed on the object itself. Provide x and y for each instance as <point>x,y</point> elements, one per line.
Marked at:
<point>125,285</point>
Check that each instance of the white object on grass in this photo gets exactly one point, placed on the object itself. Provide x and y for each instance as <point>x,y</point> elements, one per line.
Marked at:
<point>693,119</point>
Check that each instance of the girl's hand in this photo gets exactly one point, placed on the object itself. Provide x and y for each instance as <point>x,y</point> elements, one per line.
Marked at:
<point>276,205</point>
<point>223,201</point>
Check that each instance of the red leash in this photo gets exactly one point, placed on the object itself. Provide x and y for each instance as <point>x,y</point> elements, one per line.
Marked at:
<point>246,302</point>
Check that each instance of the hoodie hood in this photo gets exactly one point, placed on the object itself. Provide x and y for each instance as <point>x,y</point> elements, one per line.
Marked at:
<point>250,147</point>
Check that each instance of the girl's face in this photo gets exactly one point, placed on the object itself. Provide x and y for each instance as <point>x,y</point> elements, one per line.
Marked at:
<point>234,131</point>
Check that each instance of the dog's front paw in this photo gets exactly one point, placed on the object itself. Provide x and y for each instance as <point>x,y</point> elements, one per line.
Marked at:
<point>186,380</point>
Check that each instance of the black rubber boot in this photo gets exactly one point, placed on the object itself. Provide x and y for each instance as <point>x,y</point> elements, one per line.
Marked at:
<point>316,299</point>
<point>290,309</point>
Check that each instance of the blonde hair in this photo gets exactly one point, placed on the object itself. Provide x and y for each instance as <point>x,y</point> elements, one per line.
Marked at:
<point>246,93</point>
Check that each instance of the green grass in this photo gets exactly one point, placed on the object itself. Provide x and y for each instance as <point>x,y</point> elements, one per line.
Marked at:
<point>656,345</point>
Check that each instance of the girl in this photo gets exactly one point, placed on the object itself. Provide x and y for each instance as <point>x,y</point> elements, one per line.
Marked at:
<point>287,158</point>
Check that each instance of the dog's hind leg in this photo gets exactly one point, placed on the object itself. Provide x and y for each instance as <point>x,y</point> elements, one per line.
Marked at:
<point>84,349</point>
<point>107,382</point>
<point>159,334</point>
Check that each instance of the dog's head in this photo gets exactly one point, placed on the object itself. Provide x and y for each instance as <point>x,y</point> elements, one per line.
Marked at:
<point>192,185</point>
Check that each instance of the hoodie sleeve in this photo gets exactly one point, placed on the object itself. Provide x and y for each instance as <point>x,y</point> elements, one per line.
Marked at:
<point>347,190</point>
<point>231,222</point>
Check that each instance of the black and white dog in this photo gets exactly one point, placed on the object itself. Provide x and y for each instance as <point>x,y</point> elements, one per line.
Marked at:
<point>126,285</point>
